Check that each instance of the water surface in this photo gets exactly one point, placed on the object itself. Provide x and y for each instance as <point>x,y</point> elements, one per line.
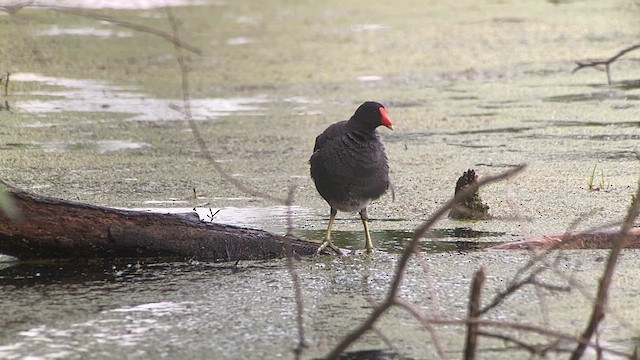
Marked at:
<point>483,85</point>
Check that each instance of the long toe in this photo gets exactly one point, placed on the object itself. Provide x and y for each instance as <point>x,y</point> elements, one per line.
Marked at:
<point>328,244</point>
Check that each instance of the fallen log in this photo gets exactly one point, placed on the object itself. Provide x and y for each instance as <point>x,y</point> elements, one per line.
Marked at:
<point>586,240</point>
<point>49,228</point>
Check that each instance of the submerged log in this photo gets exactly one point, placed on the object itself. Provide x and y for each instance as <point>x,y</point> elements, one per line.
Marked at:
<point>49,228</point>
<point>587,240</point>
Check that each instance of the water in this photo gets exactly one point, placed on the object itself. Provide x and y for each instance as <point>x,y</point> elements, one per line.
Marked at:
<point>479,85</point>
<point>74,95</point>
<point>121,309</point>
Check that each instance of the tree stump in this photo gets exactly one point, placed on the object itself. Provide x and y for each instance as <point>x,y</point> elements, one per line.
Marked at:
<point>471,206</point>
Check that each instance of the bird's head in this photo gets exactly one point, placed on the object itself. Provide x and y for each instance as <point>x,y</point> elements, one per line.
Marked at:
<point>370,115</point>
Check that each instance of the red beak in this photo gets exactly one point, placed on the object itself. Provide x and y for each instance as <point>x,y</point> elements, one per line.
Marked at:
<point>385,119</point>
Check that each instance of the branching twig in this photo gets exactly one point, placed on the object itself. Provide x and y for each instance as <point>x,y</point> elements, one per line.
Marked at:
<point>529,280</point>
<point>597,64</point>
<point>411,247</point>
<point>600,304</point>
<point>502,325</point>
<point>572,283</point>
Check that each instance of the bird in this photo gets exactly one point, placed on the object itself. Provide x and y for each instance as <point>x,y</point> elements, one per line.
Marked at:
<point>349,166</point>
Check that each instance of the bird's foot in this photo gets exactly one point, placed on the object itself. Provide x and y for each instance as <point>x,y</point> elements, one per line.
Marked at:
<point>328,244</point>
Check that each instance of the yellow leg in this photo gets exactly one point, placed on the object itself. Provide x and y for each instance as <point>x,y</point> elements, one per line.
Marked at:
<point>327,238</point>
<point>365,222</point>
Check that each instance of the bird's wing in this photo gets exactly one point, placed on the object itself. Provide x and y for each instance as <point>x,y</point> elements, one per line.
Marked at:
<point>333,131</point>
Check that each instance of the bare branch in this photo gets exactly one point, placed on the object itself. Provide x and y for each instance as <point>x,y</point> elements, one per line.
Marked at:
<point>530,280</point>
<point>474,313</point>
<point>598,64</point>
<point>14,8</point>
<point>420,231</point>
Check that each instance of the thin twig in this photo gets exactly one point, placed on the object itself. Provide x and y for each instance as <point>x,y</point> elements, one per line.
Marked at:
<point>5,77</point>
<point>425,324</point>
<point>175,24</point>
<point>431,285</point>
<point>474,313</point>
<point>581,64</point>
<point>577,285</point>
<point>15,7</point>
<point>387,341</point>
<point>542,257</point>
<point>297,288</point>
<point>544,310</point>
<point>530,280</point>
<point>600,303</point>
<point>126,24</point>
<point>288,201</point>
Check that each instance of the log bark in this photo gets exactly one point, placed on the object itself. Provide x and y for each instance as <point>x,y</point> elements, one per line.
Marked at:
<point>49,228</point>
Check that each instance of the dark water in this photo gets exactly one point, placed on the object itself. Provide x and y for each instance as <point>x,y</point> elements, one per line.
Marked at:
<point>394,241</point>
<point>247,310</point>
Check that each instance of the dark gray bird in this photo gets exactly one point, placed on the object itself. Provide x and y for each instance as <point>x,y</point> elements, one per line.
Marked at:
<point>349,166</point>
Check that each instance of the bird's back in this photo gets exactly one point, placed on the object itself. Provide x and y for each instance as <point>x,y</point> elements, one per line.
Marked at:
<point>348,168</point>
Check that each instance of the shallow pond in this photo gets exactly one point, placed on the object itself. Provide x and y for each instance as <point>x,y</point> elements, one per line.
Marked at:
<point>93,114</point>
